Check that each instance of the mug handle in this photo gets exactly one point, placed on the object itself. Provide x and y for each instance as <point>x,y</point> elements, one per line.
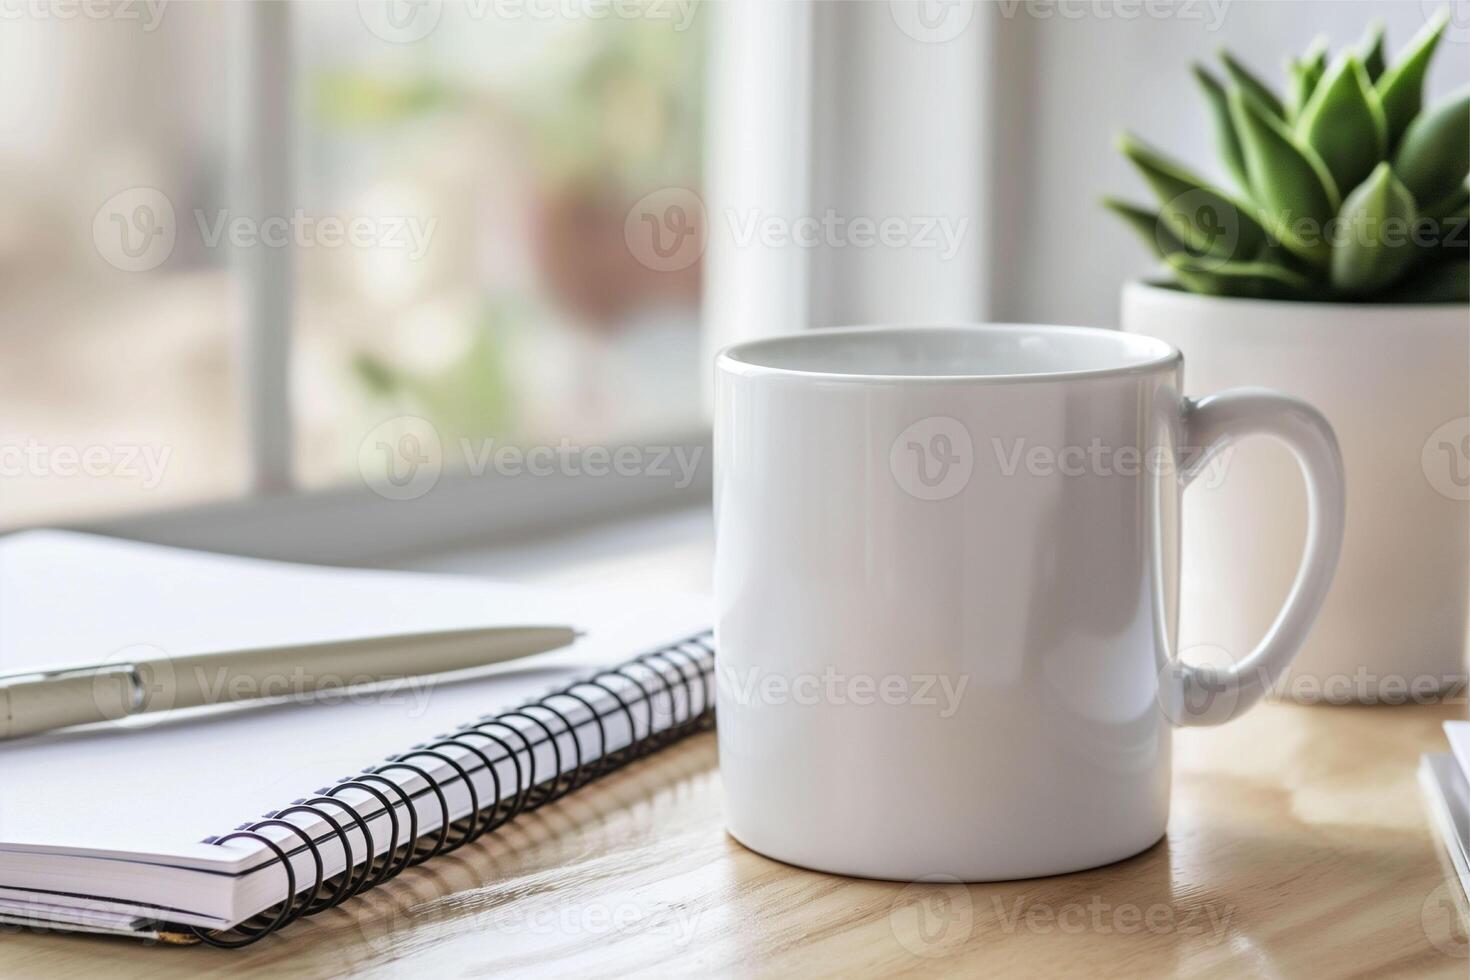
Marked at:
<point>1208,695</point>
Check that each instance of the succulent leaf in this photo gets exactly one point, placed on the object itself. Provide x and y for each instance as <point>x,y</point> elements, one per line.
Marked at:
<point>1199,214</point>
<point>1401,86</point>
<point>1244,78</point>
<point>1247,280</point>
<point>1225,138</point>
<point>1434,155</point>
<point>1304,73</point>
<point>1289,183</point>
<point>1371,244</point>
<point>1370,50</point>
<point>1344,122</point>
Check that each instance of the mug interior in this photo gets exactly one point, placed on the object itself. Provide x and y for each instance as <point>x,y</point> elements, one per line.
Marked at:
<point>988,352</point>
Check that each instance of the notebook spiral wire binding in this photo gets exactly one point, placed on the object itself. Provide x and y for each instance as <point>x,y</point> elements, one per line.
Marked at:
<point>668,669</point>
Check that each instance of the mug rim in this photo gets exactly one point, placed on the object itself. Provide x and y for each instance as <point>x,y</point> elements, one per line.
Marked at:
<point>731,358</point>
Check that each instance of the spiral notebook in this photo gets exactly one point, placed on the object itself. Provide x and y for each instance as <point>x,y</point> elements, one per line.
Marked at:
<point>227,823</point>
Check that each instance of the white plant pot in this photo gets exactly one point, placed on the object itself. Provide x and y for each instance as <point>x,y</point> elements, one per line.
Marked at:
<point>1395,383</point>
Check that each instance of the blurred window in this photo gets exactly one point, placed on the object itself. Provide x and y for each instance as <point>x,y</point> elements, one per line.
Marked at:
<point>465,235</point>
<point>507,144</point>
<point>117,383</point>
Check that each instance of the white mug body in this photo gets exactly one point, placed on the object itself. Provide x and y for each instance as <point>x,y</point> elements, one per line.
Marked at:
<point>945,596</point>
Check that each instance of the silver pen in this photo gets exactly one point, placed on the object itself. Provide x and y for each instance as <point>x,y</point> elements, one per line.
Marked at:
<point>42,700</point>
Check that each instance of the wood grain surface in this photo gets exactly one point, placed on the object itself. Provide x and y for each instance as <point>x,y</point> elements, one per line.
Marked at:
<point>1298,846</point>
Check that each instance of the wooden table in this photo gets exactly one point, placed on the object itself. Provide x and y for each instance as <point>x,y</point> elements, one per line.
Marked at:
<point>1298,846</point>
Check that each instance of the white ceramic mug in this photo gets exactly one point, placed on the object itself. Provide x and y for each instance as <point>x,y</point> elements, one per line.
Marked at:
<point>946,585</point>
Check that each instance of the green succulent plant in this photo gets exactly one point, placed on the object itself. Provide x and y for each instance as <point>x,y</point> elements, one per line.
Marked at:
<point>1346,189</point>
